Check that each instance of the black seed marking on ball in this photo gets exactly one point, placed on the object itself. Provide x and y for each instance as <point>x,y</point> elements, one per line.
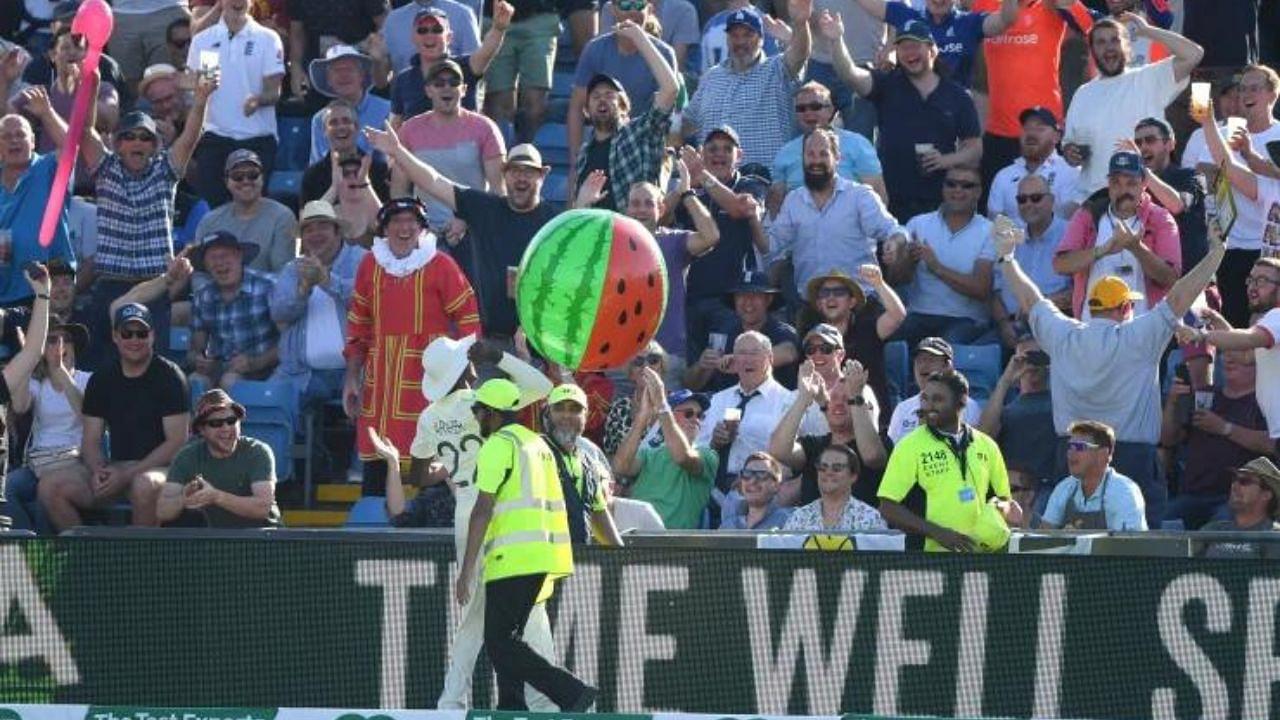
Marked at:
<point>640,337</point>
<point>622,318</point>
<point>622,287</point>
<point>639,308</point>
<point>604,349</point>
<point>653,280</point>
<point>632,243</point>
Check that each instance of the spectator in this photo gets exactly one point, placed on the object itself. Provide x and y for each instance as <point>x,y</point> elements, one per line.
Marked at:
<point>1195,154</point>
<point>1179,190</point>
<point>16,374</point>
<point>242,112</point>
<point>233,337</point>
<point>622,56</point>
<point>433,39</point>
<point>501,225</point>
<point>1095,496</point>
<point>678,19</point>
<point>916,107</point>
<point>1024,488</point>
<point>341,127</point>
<point>759,510</point>
<point>932,355</point>
<point>1121,234</point>
<point>464,146</point>
<point>752,300</point>
<point>714,43</point>
<point>864,37</point>
<point>1023,426</point>
<point>622,410</point>
<point>141,28</point>
<point>836,510</point>
<point>849,409</point>
<point>1104,110</point>
<point>627,152</point>
<point>526,58</point>
<point>66,58</point>
<point>862,323</point>
<point>1228,32</point>
<point>264,223</point>
<point>228,479</point>
<point>406,295</point>
<point>1107,368</point>
<point>1038,145</point>
<point>748,79</point>
<point>857,156</point>
<point>62,305</point>
<point>162,96</point>
<point>53,392</point>
<point>400,30</point>
<point>1036,255</point>
<point>955,32</point>
<point>1143,50</point>
<point>964,468</point>
<point>316,26</point>
<point>831,222</point>
<point>1224,429</point>
<point>309,303</point>
<point>142,400</point>
<point>345,73</point>
<point>1023,72</point>
<point>583,21</point>
<point>582,466</point>
<point>675,475</point>
<point>177,38</point>
<point>1255,491</point>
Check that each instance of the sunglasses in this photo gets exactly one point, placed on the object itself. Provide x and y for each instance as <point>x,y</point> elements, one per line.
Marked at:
<point>755,475</point>
<point>430,30</point>
<point>245,177</point>
<point>692,414</point>
<point>810,107</point>
<point>832,467</point>
<point>652,359</point>
<point>1081,445</point>
<point>835,292</point>
<point>824,348</point>
<point>632,5</point>
<point>450,81</point>
<point>962,184</point>
<point>221,422</point>
<point>1030,198</point>
<point>135,334</point>
<point>130,136</point>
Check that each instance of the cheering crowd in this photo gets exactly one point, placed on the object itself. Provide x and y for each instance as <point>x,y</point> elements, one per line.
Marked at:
<point>941,267</point>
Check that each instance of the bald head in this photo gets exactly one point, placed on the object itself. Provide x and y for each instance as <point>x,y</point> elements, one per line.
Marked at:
<point>1035,202</point>
<point>17,141</point>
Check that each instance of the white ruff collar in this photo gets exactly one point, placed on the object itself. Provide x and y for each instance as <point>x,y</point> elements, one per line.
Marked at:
<point>409,264</point>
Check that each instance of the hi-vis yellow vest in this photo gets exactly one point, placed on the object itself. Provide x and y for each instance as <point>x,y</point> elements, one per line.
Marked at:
<point>529,531</point>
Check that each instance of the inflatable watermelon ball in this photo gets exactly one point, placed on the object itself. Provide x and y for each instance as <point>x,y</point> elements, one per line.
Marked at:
<point>592,289</point>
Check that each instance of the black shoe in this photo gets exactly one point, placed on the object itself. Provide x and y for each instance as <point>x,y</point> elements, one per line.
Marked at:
<point>585,701</point>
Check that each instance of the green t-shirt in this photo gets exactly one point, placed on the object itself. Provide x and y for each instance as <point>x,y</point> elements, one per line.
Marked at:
<point>677,495</point>
<point>251,462</point>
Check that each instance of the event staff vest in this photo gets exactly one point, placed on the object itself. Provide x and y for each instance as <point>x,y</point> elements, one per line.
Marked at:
<point>529,532</point>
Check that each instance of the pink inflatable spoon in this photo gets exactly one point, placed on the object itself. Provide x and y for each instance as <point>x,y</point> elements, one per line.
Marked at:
<point>94,21</point>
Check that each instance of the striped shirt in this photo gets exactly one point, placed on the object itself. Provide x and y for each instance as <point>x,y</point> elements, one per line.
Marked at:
<point>724,95</point>
<point>135,217</point>
<point>240,327</point>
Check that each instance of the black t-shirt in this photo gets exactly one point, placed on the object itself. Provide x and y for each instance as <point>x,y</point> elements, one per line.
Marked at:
<point>351,21</point>
<point>598,159</point>
<point>498,236</point>
<point>712,274</point>
<point>134,408</point>
<point>318,176</point>
<point>862,342</point>
<point>777,331</point>
<point>1191,227</point>
<point>864,489</point>
<point>1226,29</point>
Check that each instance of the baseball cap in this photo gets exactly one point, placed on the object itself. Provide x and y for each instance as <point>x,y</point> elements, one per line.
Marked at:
<point>682,396</point>
<point>1041,113</point>
<point>936,346</point>
<point>132,312</point>
<point>1111,292</point>
<point>242,157</point>
<point>725,130</point>
<point>1126,163</point>
<point>499,394</point>
<point>567,391</point>
<point>137,120</point>
<point>434,13</point>
<point>603,78</point>
<point>745,17</point>
<point>914,30</point>
<point>827,333</point>
<point>444,65</point>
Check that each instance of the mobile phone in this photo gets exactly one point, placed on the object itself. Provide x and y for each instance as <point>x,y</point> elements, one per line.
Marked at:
<point>1184,405</point>
<point>209,62</point>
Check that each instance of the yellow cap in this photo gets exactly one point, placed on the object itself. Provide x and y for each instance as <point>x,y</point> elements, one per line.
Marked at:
<point>567,391</point>
<point>1111,292</point>
<point>499,394</point>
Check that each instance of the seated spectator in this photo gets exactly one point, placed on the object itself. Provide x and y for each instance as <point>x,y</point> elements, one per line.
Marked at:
<point>66,57</point>
<point>142,400</point>
<point>1023,426</point>
<point>758,482</point>
<point>53,392</point>
<point>432,38</point>
<point>62,306</point>
<point>1024,488</point>
<point>678,19</point>
<point>340,130</point>
<point>267,225</point>
<point>1036,256</point>
<point>1121,233</point>
<point>1179,190</point>
<point>948,266</point>
<point>316,26</point>
<point>1224,429</point>
<point>223,476</point>
<point>863,322</point>
<point>309,303</point>
<point>857,160</point>
<point>233,337</point>
<point>752,300</point>
<point>583,467</point>
<point>674,475</point>
<point>824,350</point>
<point>400,29</point>
<point>831,222</point>
<point>1038,144</point>
<point>932,355</point>
<point>1254,505</point>
<point>836,509</point>
<point>1095,496</point>
<point>850,422</point>
<point>161,95</point>
<point>622,411</point>
<point>345,73</point>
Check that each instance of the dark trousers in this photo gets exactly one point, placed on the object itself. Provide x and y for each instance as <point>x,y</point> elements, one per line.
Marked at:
<point>1231,275</point>
<point>507,604</point>
<point>209,176</point>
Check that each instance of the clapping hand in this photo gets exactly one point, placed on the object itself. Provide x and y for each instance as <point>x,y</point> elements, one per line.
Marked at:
<point>693,163</point>
<point>854,378</point>
<point>778,29</point>
<point>502,13</point>
<point>35,100</point>
<point>383,446</point>
<point>831,25</point>
<point>594,189</point>
<point>800,10</point>
<point>871,274</point>
<point>385,141</point>
<point>809,385</point>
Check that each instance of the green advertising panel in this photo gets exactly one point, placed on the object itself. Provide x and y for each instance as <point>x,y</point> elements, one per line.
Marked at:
<point>293,623</point>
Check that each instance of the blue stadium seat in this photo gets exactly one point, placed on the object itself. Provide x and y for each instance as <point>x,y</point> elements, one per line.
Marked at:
<point>981,365</point>
<point>561,83</point>
<point>273,401</point>
<point>897,366</point>
<point>556,188</point>
<point>552,141</point>
<point>368,512</point>
<point>278,437</point>
<point>294,149</point>
<point>179,339</point>
<point>285,186</point>
<point>197,388</point>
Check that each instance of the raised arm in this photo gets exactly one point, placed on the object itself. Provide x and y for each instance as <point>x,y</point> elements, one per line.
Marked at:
<point>1240,176</point>
<point>1186,54</point>
<point>875,8</point>
<point>185,144</point>
<point>831,26</point>
<point>895,311</point>
<point>19,369</point>
<point>483,56</point>
<point>36,102</point>
<point>1189,286</point>
<point>668,87</point>
<point>782,442</point>
<point>801,36</point>
<point>1017,281</point>
<point>417,172</point>
<point>706,233</point>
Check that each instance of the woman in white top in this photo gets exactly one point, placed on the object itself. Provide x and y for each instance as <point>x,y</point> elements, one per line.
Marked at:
<point>53,392</point>
<point>836,510</point>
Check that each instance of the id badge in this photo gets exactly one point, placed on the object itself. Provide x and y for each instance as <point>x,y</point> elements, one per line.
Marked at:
<point>967,495</point>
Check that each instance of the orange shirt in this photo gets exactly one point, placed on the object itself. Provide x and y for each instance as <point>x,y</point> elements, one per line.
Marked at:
<point>1022,63</point>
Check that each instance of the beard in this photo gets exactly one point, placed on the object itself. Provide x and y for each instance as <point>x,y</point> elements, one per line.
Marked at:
<point>816,178</point>
<point>565,438</point>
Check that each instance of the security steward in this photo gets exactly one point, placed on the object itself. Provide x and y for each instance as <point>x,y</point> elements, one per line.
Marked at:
<point>582,465</point>
<point>519,518</point>
<point>955,469</point>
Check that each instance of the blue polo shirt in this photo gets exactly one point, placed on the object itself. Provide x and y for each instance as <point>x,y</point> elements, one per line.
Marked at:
<point>409,92</point>
<point>958,36</point>
<point>20,213</point>
<point>371,112</point>
<point>905,119</point>
<point>858,159</point>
